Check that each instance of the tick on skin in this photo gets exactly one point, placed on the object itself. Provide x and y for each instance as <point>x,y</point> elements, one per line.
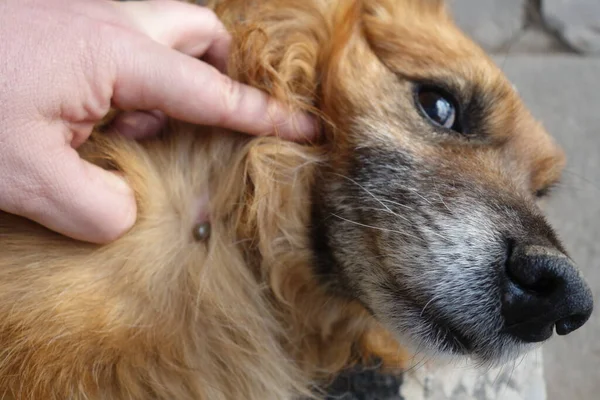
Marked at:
<point>200,211</point>
<point>201,231</point>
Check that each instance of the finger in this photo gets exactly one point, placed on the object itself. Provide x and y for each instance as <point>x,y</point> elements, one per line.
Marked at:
<point>47,182</point>
<point>193,91</point>
<point>139,124</point>
<point>190,29</point>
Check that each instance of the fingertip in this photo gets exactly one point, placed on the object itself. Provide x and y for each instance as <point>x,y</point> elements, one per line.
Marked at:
<point>120,228</point>
<point>97,206</point>
<point>289,124</point>
<point>303,127</point>
<point>139,124</point>
<point>121,208</point>
<point>217,54</point>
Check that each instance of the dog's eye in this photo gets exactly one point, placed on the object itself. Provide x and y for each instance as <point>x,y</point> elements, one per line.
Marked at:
<point>545,191</point>
<point>439,107</point>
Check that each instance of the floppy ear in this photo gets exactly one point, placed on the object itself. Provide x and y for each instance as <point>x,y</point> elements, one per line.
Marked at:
<point>291,48</point>
<point>279,50</point>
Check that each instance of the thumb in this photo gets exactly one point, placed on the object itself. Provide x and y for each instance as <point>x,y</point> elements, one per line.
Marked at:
<point>52,185</point>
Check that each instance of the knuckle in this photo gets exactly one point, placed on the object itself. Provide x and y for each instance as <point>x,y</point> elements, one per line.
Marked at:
<point>231,95</point>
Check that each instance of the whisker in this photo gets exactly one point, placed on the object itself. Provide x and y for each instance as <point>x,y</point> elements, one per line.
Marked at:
<point>428,303</point>
<point>401,217</point>
<point>387,211</point>
<point>498,376</point>
<point>366,190</point>
<point>510,376</point>
<point>374,227</point>
<point>421,196</point>
<point>398,204</point>
<point>441,197</point>
<point>418,365</point>
<point>381,201</point>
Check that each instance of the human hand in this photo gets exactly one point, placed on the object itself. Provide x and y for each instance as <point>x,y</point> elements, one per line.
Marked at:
<point>63,63</point>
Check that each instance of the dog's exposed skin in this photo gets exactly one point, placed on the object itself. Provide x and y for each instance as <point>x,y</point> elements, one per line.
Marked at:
<point>319,254</point>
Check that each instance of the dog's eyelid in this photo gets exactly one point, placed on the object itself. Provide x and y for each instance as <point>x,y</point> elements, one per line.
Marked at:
<point>547,190</point>
<point>446,86</point>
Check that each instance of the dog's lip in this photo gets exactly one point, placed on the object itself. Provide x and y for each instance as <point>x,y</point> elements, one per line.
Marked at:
<point>458,342</point>
<point>453,337</point>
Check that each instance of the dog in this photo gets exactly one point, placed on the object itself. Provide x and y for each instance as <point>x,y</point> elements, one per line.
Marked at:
<point>260,268</point>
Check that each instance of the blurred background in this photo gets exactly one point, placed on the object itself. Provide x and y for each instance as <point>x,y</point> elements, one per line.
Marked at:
<point>550,49</point>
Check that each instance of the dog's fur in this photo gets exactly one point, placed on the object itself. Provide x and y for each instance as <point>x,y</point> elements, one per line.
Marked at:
<point>320,254</point>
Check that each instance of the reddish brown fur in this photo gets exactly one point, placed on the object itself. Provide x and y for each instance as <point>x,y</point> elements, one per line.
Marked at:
<point>158,315</point>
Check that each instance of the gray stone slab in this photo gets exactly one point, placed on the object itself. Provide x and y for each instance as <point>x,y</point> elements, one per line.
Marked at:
<point>520,380</point>
<point>491,23</point>
<point>576,21</point>
<point>535,40</point>
<point>564,92</point>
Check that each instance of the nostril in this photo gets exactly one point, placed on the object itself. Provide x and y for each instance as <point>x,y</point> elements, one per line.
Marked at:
<point>543,287</point>
<point>570,324</point>
<point>531,277</point>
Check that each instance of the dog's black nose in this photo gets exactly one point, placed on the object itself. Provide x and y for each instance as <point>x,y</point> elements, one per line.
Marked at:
<point>543,289</point>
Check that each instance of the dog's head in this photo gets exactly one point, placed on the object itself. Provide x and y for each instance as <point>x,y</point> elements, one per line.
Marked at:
<point>427,211</point>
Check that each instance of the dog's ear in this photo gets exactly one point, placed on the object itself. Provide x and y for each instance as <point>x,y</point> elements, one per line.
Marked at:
<point>278,49</point>
<point>407,29</point>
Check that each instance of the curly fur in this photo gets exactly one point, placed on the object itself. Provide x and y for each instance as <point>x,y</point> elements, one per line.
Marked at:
<point>244,315</point>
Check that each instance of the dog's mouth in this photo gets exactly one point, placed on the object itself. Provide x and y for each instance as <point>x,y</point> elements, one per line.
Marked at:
<point>448,338</point>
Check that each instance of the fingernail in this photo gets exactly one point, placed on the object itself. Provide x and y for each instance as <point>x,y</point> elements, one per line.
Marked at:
<point>140,124</point>
<point>306,126</point>
<point>128,213</point>
<point>118,183</point>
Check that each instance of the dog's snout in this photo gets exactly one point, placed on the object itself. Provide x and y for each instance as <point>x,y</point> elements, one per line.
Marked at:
<point>542,290</point>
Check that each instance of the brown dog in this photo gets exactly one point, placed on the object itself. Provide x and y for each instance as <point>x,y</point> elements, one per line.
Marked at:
<point>414,222</point>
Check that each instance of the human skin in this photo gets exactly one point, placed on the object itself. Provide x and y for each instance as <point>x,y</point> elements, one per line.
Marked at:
<point>57,79</point>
